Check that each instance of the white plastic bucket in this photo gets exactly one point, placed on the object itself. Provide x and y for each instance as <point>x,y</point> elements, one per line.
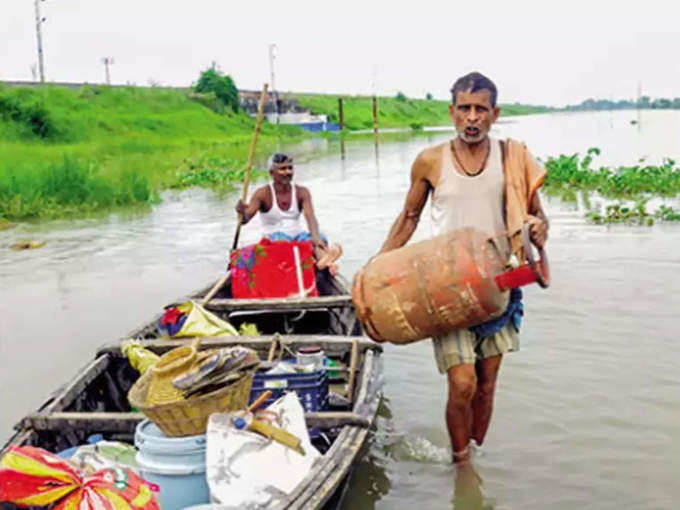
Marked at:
<point>175,464</point>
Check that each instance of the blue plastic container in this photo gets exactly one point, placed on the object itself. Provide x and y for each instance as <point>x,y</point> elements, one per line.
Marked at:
<point>175,464</point>
<point>68,453</point>
<point>311,389</point>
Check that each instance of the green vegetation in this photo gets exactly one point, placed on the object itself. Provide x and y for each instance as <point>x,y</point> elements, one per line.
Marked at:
<point>568,175</point>
<point>75,151</point>
<point>620,213</point>
<point>68,187</point>
<point>398,111</point>
<point>65,152</point>
<point>627,104</point>
<point>223,87</point>
<point>575,173</point>
<point>212,171</point>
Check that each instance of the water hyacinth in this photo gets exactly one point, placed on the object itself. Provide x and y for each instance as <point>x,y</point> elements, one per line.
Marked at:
<point>571,173</point>
<point>568,175</point>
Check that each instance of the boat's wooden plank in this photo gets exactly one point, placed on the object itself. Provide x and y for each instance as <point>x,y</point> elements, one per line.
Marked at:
<point>20,438</point>
<point>126,422</point>
<point>332,419</point>
<point>317,468</point>
<point>367,373</point>
<point>319,493</point>
<point>280,304</point>
<point>339,285</point>
<point>317,490</point>
<point>326,482</point>
<point>322,481</point>
<point>329,343</point>
<point>85,376</point>
<point>100,422</point>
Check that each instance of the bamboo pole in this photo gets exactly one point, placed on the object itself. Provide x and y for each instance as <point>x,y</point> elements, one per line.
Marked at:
<point>244,195</point>
<point>220,283</point>
<point>251,154</point>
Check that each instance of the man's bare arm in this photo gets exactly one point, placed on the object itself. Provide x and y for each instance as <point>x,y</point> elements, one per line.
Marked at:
<point>249,210</point>
<point>308,211</point>
<point>407,221</point>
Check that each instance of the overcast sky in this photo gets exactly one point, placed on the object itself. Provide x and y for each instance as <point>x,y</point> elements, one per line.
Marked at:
<point>547,52</point>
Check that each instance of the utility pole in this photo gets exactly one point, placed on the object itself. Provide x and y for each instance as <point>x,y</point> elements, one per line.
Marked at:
<point>277,103</point>
<point>38,23</point>
<point>271,65</point>
<point>107,61</point>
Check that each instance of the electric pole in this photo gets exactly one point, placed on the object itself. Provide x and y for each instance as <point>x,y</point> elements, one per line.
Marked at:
<point>271,65</point>
<point>107,61</point>
<point>277,102</point>
<point>38,23</point>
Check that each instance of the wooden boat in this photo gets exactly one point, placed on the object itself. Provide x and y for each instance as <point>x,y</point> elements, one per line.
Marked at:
<point>94,401</point>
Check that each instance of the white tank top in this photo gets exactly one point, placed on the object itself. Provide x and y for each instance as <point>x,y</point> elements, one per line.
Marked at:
<point>277,220</point>
<point>462,201</point>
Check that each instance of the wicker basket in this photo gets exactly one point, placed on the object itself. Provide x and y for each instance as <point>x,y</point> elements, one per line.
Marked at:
<point>190,417</point>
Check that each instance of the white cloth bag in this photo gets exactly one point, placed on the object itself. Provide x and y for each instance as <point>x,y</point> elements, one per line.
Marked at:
<point>247,470</point>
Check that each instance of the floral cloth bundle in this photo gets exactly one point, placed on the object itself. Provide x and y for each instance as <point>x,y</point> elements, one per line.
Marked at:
<point>32,476</point>
<point>269,269</point>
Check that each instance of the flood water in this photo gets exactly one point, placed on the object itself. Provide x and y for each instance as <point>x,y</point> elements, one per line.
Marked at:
<point>587,413</point>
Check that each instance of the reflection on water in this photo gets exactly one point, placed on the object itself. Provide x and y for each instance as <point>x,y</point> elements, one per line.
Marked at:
<point>586,413</point>
<point>468,491</point>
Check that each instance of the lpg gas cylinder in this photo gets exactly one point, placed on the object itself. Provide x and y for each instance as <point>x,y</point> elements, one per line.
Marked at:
<point>432,287</point>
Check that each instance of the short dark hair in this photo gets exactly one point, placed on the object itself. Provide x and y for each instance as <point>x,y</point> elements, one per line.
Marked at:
<point>474,82</point>
<point>278,158</point>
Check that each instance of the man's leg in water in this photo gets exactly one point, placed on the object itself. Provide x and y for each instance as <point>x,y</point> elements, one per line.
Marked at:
<point>486,371</point>
<point>462,381</point>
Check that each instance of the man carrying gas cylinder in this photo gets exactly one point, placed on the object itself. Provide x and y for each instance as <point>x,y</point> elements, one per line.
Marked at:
<point>491,185</point>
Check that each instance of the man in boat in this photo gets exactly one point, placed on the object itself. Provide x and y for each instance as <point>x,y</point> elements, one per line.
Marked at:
<point>475,181</point>
<point>280,204</point>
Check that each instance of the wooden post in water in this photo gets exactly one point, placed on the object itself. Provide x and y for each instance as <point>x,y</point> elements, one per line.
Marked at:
<point>375,120</point>
<point>341,118</point>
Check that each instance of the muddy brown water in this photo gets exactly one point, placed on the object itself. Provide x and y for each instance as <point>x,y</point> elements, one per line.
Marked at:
<point>587,413</point>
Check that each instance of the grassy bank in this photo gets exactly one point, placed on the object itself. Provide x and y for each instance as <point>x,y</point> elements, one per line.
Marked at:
<point>393,111</point>
<point>74,151</point>
<point>65,151</point>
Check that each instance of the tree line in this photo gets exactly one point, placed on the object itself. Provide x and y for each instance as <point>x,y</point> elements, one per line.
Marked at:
<point>627,104</point>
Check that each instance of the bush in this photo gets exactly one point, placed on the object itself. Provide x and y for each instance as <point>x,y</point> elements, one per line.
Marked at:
<point>401,97</point>
<point>69,187</point>
<point>428,96</point>
<point>207,99</point>
<point>29,113</point>
<point>211,80</point>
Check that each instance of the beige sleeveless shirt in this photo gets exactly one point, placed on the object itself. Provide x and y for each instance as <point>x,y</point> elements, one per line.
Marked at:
<point>462,201</point>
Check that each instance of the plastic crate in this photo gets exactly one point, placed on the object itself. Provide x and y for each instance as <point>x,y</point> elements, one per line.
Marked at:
<point>311,388</point>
